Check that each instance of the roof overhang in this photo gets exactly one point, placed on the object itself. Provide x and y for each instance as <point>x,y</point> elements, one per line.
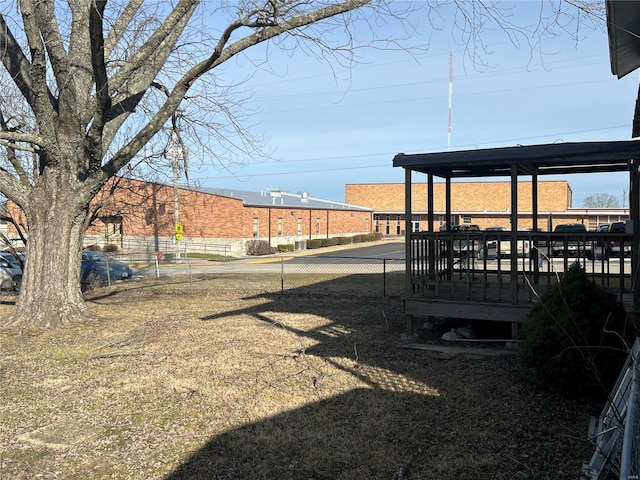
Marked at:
<point>547,159</point>
<point>623,26</point>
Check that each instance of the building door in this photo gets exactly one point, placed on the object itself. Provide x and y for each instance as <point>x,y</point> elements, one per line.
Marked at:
<point>112,230</point>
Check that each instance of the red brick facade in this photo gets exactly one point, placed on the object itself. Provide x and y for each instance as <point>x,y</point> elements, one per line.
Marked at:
<point>485,204</point>
<point>146,210</point>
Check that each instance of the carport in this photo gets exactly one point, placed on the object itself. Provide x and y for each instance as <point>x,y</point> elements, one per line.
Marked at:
<point>441,282</point>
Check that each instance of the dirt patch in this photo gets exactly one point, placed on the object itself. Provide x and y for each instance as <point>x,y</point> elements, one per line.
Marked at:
<point>214,378</point>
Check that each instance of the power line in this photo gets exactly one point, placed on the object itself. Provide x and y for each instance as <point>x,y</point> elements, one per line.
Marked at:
<point>386,154</point>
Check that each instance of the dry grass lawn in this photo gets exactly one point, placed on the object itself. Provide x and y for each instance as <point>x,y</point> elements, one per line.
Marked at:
<point>216,379</point>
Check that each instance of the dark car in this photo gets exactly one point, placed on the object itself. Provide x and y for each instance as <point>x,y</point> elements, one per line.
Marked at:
<point>99,270</point>
<point>467,246</point>
<point>576,243</point>
<point>615,247</point>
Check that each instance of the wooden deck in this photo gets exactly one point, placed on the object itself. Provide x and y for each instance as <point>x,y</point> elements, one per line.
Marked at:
<point>482,285</point>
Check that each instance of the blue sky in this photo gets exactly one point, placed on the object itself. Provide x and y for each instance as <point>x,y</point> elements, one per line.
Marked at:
<point>329,128</point>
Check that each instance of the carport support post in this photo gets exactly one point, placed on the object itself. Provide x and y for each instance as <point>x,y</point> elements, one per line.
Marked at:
<point>534,254</point>
<point>430,219</point>
<point>514,244</point>
<point>407,245</point>
<point>634,211</point>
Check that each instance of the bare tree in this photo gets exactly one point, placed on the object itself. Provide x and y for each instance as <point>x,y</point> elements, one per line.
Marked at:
<point>601,200</point>
<point>89,86</point>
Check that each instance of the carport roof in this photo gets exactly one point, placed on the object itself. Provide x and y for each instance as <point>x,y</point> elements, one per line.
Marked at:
<point>623,25</point>
<point>545,159</point>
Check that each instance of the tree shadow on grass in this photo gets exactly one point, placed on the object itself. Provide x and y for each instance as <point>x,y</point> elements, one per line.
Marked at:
<point>407,415</point>
<point>355,435</point>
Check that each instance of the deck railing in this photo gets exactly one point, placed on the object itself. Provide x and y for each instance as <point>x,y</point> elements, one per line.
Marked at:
<point>481,265</point>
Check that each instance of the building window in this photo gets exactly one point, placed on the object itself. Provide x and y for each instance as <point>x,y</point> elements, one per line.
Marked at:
<point>398,225</point>
<point>317,226</point>
<point>299,231</point>
<point>366,225</point>
<point>466,219</point>
<point>376,219</point>
<point>256,228</point>
<point>387,228</point>
<point>280,227</point>
<point>441,221</point>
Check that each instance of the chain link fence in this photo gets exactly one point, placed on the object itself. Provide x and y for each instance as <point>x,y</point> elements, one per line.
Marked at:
<point>342,275</point>
<point>289,275</point>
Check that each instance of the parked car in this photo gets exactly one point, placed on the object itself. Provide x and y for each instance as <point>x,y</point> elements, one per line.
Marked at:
<point>467,246</point>
<point>493,243</point>
<point>578,245</point>
<point>615,247</point>
<point>99,270</point>
<point>10,272</point>
<point>502,247</point>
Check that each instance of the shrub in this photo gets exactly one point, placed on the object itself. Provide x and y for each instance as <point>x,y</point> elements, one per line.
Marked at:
<point>110,248</point>
<point>375,236</point>
<point>344,240</point>
<point>574,338</point>
<point>314,243</point>
<point>329,242</point>
<point>259,247</point>
<point>286,247</point>
<point>356,239</point>
<point>94,248</point>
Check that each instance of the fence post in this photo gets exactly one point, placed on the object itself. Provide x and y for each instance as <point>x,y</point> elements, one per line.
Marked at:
<point>108,271</point>
<point>282,275</point>
<point>384,278</point>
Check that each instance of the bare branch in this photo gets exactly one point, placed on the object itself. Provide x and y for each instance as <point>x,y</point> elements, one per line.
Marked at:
<point>15,62</point>
<point>120,26</point>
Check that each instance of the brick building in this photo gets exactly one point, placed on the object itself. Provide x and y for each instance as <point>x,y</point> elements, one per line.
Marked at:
<point>143,213</point>
<point>485,204</point>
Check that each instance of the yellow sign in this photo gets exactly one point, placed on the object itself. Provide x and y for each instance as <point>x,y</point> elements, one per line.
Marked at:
<point>178,236</point>
<point>179,229</point>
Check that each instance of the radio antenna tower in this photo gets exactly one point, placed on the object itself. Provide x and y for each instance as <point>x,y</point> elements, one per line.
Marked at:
<point>450,97</point>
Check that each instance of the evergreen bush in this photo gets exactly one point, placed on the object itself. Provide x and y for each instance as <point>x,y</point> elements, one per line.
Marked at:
<point>110,248</point>
<point>286,247</point>
<point>314,243</point>
<point>329,242</point>
<point>575,338</point>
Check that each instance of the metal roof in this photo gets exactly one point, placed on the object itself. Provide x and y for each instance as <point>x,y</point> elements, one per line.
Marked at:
<point>280,198</point>
<point>544,159</point>
<point>623,25</point>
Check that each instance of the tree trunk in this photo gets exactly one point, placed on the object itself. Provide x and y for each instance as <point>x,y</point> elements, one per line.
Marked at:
<point>50,294</point>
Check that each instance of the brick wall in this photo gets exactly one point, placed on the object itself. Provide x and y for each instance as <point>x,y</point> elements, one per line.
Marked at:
<point>466,197</point>
<point>147,210</point>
